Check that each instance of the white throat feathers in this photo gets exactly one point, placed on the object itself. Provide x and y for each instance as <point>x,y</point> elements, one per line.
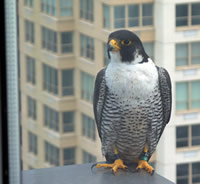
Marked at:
<point>131,81</point>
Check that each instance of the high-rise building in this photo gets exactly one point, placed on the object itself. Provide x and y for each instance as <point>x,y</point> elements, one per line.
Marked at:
<point>63,46</point>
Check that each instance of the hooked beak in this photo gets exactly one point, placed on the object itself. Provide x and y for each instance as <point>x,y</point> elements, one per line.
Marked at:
<point>113,45</point>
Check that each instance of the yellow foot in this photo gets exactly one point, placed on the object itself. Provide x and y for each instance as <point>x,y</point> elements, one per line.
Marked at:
<point>118,164</point>
<point>142,164</point>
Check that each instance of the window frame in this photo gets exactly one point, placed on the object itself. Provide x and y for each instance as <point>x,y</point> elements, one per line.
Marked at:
<point>189,139</point>
<point>88,127</point>
<point>189,57</point>
<point>30,72</point>
<point>189,18</point>
<point>87,90</point>
<point>189,100</point>
<point>32,143</point>
<point>84,13</point>
<point>29,30</point>
<point>190,174</point>
<point>140,26</point>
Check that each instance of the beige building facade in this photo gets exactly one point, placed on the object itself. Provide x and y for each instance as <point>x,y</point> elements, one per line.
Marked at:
<point>62,47</point>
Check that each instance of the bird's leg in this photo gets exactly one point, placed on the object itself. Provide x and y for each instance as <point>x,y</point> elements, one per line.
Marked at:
<point>116,165</point>
<point>143,164</point>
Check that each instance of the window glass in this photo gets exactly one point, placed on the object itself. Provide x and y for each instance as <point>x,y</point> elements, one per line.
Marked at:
<point>50,79</point>
<point>196,14</point>
<point>88,127</point>
<point>67,42</point>
<point>29,32</point>
<point>65,7</point>
<point>49,40</point>
<point>182,54</point>
<point>182,136</point>
<point>119,16</point>
<point>88,158</point>
<point>182,172</point>
<point>87,10</point>
<point>181,96</point>
<point>106,59</point>
<point>32,110</point>
<point>195,53</point>
<point>67,82</point>
<point>106,16</point>
<point>32,140</point>
<point>149,49</point>
<point>51,118</point>
<point>195,94</point>
<point>87,46</point>
<point>196,172</point>
<point>182,15</point>
<point>52,154</point>
<point>29,3</point>
<point>133,15</point>
<point>147,13</point>
<point>196,135</point>
<point>68,121</point>
<point>30,70</point>
<point>69,156</point>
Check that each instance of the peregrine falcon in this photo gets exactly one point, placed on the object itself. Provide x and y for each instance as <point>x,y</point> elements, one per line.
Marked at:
<point>132,103</point>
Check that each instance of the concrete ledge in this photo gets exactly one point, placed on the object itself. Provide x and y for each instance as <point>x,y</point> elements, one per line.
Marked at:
<point>82,174</point>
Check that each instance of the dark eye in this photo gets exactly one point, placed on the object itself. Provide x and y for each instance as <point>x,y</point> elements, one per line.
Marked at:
<point>126,42</point>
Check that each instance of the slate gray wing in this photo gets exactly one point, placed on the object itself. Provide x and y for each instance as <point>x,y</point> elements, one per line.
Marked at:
<point>100,91</point>
<point>166,95</point>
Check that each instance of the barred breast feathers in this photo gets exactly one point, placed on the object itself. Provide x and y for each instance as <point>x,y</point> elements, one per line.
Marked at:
<point>131,81</point>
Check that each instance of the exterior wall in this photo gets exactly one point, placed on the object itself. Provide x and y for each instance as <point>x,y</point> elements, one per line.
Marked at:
<point>167,35</point>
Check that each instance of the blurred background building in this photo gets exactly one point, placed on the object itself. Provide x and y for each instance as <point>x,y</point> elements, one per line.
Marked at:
<point>62,46</point>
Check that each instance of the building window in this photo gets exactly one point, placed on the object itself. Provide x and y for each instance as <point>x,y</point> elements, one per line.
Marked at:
<point>30,69</point>
<point>87,10</point>
<point>88,127</point>
<point>88,158</point>
<point>32,109</point>
<point>87,86</point>
<point>66,42</point>
<point>187,95</point>
<point>68,121</point>
<point>133,15</point>
<point>51,118</point>
<point>87,46</point>
<point>49,40</point>
<point>32,141</point>
<point>149,49</point>
<point>29,31</point>
<point>28,3</point>
<point>67,82</point>
<point>50,79</point>
<point>188,14</point>
<point>119,15</point>
<point>106,59</point>
<point>188,136</point>
<point>66,8</point>
<point>147,14</point>
<point>187,54</point>
<point>49,7</point>
<point>69,156</point>
<point>52,154</point>
<point>188,172</point>
<point>106,16</point>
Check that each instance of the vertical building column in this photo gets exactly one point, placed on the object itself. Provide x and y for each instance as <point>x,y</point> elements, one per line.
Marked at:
<point>165,57</point>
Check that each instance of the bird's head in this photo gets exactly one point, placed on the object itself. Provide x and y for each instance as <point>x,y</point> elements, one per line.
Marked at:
<point>126,46</point>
